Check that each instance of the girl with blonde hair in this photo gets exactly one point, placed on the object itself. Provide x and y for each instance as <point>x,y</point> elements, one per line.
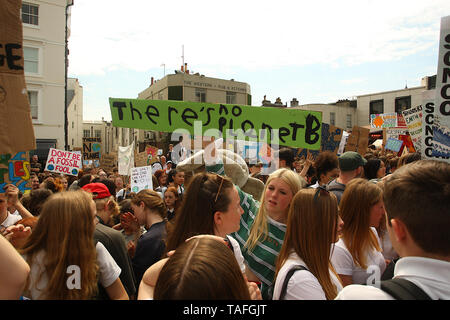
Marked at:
<point>263,224</point>
<point>357,255</point>
<point>61,248</point>
<point>313,226</point>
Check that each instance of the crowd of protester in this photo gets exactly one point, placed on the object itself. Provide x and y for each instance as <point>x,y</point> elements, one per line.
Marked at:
<point>329,227</point>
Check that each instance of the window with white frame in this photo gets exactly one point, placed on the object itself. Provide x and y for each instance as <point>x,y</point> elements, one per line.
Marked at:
<point>31,59</point>
<point>33,99</point>
<point>200,95</point>
<point>86,133</point>
<point>98,133</point>
<point>332,118</point>
<point>231,97</point>
<point>349,121</point>
<point>30,13</point>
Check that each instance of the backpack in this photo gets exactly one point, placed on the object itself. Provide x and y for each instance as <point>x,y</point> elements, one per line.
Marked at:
<point>402,289</point>
<point>286,280</point>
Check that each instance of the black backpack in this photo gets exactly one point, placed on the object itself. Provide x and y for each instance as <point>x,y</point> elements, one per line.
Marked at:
<point>286,280</point>
<point>402,289</point>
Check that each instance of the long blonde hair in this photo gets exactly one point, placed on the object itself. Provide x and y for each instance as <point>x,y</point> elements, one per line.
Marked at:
<point>259,229</point>
<point>359,196</point>
<point>64,232</point>
<point>311,231</point>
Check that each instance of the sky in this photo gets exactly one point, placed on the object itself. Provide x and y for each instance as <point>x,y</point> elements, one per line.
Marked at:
<point>315,51</point>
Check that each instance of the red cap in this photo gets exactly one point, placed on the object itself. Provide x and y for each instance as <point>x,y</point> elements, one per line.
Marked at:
<point>99,190</point>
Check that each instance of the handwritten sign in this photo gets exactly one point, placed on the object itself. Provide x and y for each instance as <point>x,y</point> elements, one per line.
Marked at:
<point>141,178</point>
<point>65,162</point>
<point>15,170</point>
<point>331,139</point>
<point>393,144</point>
<point>413,119</point>
<point>441,123</point>
<point>385,120</point>
<point>16,129</point>
<point>295,128</point>
<point>109,161</point>
<point>92,148</point>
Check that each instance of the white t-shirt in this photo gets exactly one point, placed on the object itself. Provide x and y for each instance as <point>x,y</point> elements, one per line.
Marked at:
<point>10,220</point>
<point>343,263</point>
<point>109,271</point>
<point>303,285</point>
<point>431,275</point>
<point>237,253</point>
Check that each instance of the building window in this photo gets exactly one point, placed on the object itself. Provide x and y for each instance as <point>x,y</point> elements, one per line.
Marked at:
<point>73,141</point>
<point>332,118</point>
<point>73,124</point>
<point>376,107</point>
<point>349,121</point>
<point>34,105</point>
<point>31,59</point>
<point>86,133</point>
<point>231,97</point>
<point>98,133</point>
<point>402,104</point>
<point>30,14</point>
<point>200,95</point>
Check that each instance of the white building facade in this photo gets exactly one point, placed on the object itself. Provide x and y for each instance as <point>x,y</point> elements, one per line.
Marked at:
<point>44,47</point>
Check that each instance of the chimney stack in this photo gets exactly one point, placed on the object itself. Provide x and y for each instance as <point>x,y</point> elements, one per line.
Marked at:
<point>152,82</point>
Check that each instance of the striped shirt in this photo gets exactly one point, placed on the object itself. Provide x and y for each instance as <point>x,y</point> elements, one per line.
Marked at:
<point>262,258</point>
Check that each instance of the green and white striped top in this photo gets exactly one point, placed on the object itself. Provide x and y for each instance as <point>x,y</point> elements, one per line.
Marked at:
<point>261,260</point>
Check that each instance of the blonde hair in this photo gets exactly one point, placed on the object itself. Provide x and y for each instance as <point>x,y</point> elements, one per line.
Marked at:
<point>259,229</point>
<point>311,230</point>
<point>358,198</point>
<point>64,232</point>
<point>113,208</point>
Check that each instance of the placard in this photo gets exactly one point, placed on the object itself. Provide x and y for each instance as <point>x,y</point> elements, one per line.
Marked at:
<point>358,140</point>
<point>126,159</point>
<point>413,119</point>
<point>65,162</point>
<point>92,148</point>
<point>15,170</point>
<point>441,123</point>
<point>385,120</point>
<point>16,129</point>
<point>393,144</point>
<point>290,127</point>
<point>141,178</point>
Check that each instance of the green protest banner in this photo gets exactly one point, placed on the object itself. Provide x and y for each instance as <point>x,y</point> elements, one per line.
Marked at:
<point>291,127</point>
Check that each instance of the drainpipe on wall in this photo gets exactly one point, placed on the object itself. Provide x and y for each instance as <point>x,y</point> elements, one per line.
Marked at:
<point>66,65</point>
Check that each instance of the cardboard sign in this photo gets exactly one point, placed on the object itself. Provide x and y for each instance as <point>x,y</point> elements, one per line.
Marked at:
<point>126,159</point>
<point>385,120</point>
<point>16,129</point>
<point>92,148</point>
<point>109,161</point>
<point>393,144</point>
<point>441,123</point>
<point>294,128</point>
<point>152,154</point>
<point>331,139</point>
<point>141,159</point>
<point>358,140</point>
<point>413,119</point>
<point>65,162</point>
<point>15,170</point>
<point>141,178</point>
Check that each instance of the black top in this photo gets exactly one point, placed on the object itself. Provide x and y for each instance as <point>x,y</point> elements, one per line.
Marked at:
<point>149,249</point>
<point>114,242</point>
